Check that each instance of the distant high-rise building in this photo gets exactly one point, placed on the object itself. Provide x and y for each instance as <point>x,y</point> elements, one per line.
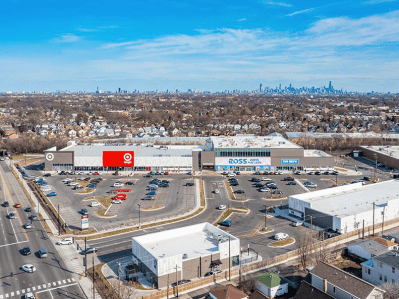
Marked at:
<point>260,87</point>
<point>330,86</point>
<point>119,90</point>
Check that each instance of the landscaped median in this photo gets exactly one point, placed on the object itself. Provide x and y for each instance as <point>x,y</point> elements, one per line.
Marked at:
<point>230,211</point>
<point>231,193</point>
<point>105,202</point>
<point>282,243</point>
<point>265,230</point>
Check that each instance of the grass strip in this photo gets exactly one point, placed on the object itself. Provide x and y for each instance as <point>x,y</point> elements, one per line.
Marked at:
<point>265,230</point>
<point>282,242</point>
<point>230,211</point>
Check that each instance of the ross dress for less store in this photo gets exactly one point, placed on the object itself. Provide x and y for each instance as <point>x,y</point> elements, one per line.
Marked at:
<point>223,153</point>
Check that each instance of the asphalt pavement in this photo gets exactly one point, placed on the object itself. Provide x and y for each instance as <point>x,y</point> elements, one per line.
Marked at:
<point>51,272</point>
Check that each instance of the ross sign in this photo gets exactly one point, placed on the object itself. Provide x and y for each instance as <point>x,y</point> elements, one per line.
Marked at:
<point>244,161</point>
<point>84,221</point>
<point>289,161</point>
<point>49,157</point>
<point>118,158</point>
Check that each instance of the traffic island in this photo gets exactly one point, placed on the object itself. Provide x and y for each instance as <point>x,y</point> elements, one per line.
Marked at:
<point>153,208</point>
<point>282,243</point>
<point>265,230</point>
<point>231,193</point>
<point>230,211</point>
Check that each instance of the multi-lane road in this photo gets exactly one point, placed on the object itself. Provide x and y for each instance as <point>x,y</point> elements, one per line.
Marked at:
<point>52,277</point>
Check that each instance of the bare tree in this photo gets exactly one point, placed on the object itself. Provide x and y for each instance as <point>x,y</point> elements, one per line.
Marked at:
<point>305,246</point>
<point>391,290</point>
<point>125,290</point>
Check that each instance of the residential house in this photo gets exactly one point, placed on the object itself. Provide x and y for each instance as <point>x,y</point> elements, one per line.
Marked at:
<point>82,133</point>
<point>366,249</point>
<point>72,133</point>
<point>382,269</point>
<point>342,285</point>
<point>227,292</point>
<point>271,284</point>
<point>175,132</point>
<point>307,291</point>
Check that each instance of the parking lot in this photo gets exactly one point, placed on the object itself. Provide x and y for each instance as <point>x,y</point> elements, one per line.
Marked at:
<point>169,201</point>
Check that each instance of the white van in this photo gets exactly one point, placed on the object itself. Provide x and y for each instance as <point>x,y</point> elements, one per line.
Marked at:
<point>280,236</point>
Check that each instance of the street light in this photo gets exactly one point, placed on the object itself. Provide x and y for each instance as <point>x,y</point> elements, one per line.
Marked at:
<point>375,155</point>
<point>139,215</point>
<point>265,215</point>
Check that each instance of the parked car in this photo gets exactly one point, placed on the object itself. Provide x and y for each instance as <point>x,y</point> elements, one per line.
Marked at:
<point>311,173</point>
<point>280,236</point>
<point>91,186</point>
<point>189,184</point>
<point>184,281</point>
<point>239,192</point>
<point>317,173</point>
<point>256,173</point>
<point>28,296</point>
<point>298,172</point>
<point>231,174</point>
<point>289,179</point>
<point>292,183</point>
<point>95,204</point>
<point>264,189</point>
<point>221,207</point>
<point>118,184</point>
<point>51,194</point>
<point>216,191</point>
<point>297,223</point>
<point>277,192</point>
<point>47,174</point>
<point>84,212</point>
<point>89,250</point>
<point>266,179</point>
<point>225,223</point>
<point>117,201</point>
<point>213,272</point>
<point>129,183</point>
<point>148,197</point>
<point>66,241</point>
<point>366,178</point>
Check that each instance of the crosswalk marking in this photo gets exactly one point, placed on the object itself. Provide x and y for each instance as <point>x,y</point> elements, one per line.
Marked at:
<point>59,283</point>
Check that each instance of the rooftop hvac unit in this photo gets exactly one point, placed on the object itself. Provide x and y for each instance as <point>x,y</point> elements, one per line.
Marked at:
<point>185,256</point>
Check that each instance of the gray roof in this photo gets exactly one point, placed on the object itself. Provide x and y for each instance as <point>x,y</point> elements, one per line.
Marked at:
<point>307,291</point>
<point>371,246</point>
<point>343,280</point>
<point>389,258</point>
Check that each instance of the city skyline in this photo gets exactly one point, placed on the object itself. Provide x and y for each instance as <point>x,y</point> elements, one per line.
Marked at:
<point>205,45</point>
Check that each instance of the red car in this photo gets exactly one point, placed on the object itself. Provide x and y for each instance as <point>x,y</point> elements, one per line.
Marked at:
<point>166,172</point>
<point>95,173</point>
<point>17,205</point>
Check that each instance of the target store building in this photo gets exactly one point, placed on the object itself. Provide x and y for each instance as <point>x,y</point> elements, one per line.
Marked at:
<point>121,157</point>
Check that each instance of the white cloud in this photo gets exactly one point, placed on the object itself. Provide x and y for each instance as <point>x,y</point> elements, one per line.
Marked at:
<point>300,12</point>
<point>277,3</point>
<point>371,2</point>
<point>242,20</point>
<point>67,38</point>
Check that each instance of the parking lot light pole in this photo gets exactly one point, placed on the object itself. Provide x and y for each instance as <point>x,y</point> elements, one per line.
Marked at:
<point>375,168</point>
<point>265,215</point>
<point>139,216</point>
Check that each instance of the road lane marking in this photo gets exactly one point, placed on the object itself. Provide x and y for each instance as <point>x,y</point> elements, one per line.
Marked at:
<point>54,283</point>
<point>23,291</point>
<point>13,243</point>
<point>59,282</point>
<point>12,294</point>
<point>28,290</point>
<point>73,279</point>
<point>68,280</point>
<point>33,289</point>
<point>17,292</point>
<point>64,281</point>
<point>39,287</point>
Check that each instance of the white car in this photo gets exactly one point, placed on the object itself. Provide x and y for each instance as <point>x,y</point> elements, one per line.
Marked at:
<point>117,184</point>
<point>66,241</point>
<point>46,188</point>
<point>216,191</point>
<point>266,179</point>
<point>95,204</point>
<point>297,223</point>
<point>221,207</point>
<point>79,173</point>
<point>231,174</point>
<point>264,189</point>
<point>28,296</point>
<point>281,236</point>
<point>28,268</point>
<point>117,201</point>
<point>72,183</point>
<point>66,180</point>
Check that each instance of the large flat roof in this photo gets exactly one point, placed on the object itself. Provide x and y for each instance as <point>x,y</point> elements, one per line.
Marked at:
<point>352,199</point>
<point>387,150</point>
<point>252,141</point>
<point>195,241</point>
<point>148,150</point>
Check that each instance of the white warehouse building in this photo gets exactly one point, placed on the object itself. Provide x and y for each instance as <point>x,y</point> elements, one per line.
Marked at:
<point>344,208</point>
<point>194,250</point>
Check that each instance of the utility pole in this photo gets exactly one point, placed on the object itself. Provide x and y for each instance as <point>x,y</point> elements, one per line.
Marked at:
<point>139,216</point>
<point>177,284</point>
<point>311,222</point>
<point>265,215</point>
<point>167,290</point>
<point>119,278</point>
<point>59,223</point>
<point>383,219</point>
<point>373,216</point>
<point>229,260</point>
<point>363,230</point>
<point>94,290</point>
<point>85,259</point>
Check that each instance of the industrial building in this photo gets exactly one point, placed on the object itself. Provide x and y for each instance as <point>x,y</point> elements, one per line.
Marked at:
<point>387,155</point>
<point>186,253</point>
<point>345,208</point>
<point>222,153</point>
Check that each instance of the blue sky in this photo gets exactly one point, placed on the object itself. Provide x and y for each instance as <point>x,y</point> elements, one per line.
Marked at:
<point>210,45</point>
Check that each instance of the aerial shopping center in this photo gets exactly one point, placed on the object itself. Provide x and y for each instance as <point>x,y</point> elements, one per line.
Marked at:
<point>221,153</point>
